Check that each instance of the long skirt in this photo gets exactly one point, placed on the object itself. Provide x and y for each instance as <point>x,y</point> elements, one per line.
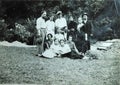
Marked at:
<point>49,53</point>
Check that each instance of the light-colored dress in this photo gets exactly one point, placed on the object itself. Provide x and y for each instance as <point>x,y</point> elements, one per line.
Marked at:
<point>50,25</point>
<point>60,23</point>
<point>52,51</point>
<point>65,49</point>
<point>59,36</point>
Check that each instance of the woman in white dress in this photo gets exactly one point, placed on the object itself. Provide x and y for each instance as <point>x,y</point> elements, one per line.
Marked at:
<point>53,51</point>
<point>59,36</point>
<point>50,25</point>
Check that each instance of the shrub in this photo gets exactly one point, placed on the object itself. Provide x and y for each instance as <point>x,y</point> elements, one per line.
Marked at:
<point>20,32</point>
<point>3,28</point>
<point>30,27</point>
<point>26,33</point>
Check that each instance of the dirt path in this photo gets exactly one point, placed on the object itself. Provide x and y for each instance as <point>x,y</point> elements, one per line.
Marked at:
<point>19,65</point>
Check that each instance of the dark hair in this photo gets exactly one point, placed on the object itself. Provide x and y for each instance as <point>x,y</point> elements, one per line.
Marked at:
<point>42,11</point>
<point>50,35</point>
<point>55,39</point>
<point>84,14</point>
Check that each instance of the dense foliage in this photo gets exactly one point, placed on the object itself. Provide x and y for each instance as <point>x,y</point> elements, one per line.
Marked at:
<point>25,12</point>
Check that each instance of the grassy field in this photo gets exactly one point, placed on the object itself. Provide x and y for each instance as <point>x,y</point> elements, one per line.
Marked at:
<point>21,66</point>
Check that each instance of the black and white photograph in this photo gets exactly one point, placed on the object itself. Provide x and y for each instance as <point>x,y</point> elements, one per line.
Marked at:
<point>60,42</point>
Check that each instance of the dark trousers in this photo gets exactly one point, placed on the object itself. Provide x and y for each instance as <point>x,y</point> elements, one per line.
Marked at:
<point>72,55</point>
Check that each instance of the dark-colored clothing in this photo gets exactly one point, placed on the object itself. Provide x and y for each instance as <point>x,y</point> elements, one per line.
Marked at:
<point>73,34</point>
<point>85,46</point>
<point>73,54</point>
<point>47,44</point>
<point>87,28</point>
<point>81,44</point>
<point>72,25</point>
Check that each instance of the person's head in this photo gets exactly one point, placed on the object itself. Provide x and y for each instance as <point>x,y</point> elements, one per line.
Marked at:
<point>59,13</point>
<point>51,17</point>
<point>43,14</point>
<point>80,20</point>
<point>70,38</point>
<point>49,36</point>
<point>56,41</point>
<point>62,42</point>
<point>71,18</point>
<point>85,17</point>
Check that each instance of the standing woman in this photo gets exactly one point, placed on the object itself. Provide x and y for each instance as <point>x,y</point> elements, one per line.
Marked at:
<point>87,29</point>
<point>84,32</point>
<point>61,24</point>
<point>50,25</point>
<point>41,29</point>
<point>80,36</point>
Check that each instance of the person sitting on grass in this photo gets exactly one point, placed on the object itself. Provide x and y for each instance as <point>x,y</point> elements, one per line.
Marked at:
<point>74,51</point>
<point>65,49</point>
<point>53,51</point>
<point>48,41</point>
<point>59,36</point>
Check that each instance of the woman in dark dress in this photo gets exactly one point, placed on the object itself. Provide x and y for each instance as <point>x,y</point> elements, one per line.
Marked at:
<point>83,34</point>
<point>72,28</point>
<point>48,41</point>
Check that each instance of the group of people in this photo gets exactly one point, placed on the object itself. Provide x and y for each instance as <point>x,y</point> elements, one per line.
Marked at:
<point>57,38</point>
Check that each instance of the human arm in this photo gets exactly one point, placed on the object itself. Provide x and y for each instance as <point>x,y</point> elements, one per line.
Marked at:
<point>76,50</point>
<point>79,27</point>
<point>38,26</point>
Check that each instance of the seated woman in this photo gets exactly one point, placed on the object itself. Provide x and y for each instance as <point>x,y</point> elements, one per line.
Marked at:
<point>48,41</point>
<point>59,36</point>
<point>53,51</point>
<point>74,51</point>
<point>65,49</point>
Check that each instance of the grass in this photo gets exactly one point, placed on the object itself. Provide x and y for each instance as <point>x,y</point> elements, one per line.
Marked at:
<point>21,66</point>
